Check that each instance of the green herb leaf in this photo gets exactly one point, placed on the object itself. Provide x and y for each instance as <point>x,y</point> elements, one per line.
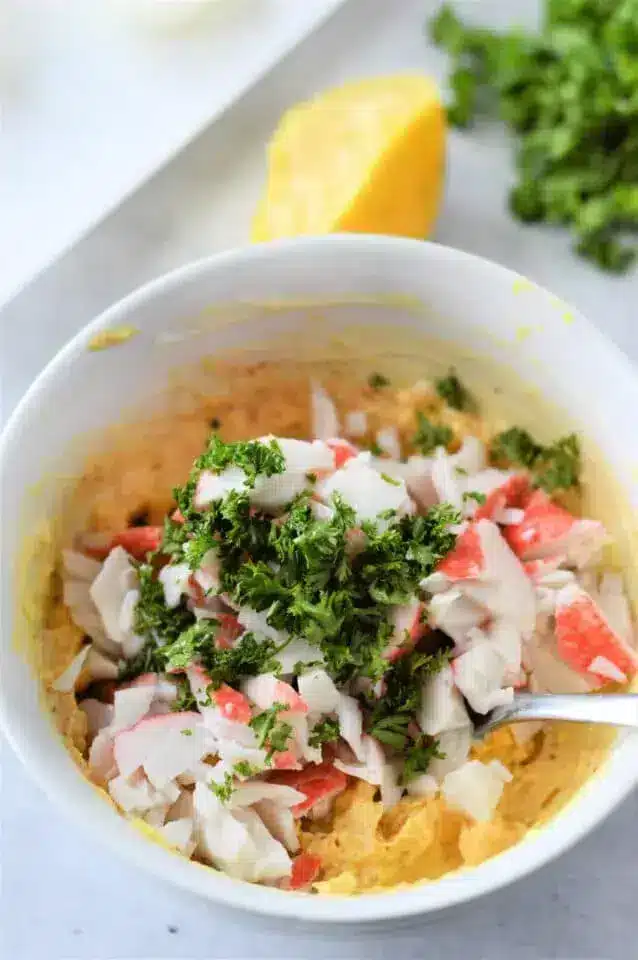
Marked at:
<point>152,618</point>
<point>569,94</point>
<point>272,733</point>
<point>555,467</point>
<point>516,446</point>
<point>390,480</point>
<point>326,731</point>
<point>560,464</point>
<point>254,457</point>
<point>184,699</point>
<point>223,791</point>
<point>480,498</point>
<point>429,435</point>
<point>418,757</point>
<point>454,393</point>
<point>246,769</point>
<point>377,381</point>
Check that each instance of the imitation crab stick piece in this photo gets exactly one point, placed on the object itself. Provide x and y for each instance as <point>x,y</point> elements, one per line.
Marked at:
<point>232,704</point>
<point>343,451</point>
<point>266,690</point>
<point>584,637</point>
<point>325,422</point>
<point>547,529</point>
<point>511,494</point>
<point>229,631</point>
<point>466,560</point>
<point>408,628</point>
<point>486,570</point>
<point>319,782</point>
<point>138,541</point>
<point>305,869</point>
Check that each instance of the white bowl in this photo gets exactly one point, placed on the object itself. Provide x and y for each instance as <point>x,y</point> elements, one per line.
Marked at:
<point>362,281</point>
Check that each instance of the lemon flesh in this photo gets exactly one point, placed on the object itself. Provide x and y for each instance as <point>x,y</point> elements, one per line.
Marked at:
<point>367,157</point>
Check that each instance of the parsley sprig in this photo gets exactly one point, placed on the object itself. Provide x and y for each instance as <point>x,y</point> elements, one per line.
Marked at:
<point>568,93</point>
<point>430,435</point>
<point>555,467</point>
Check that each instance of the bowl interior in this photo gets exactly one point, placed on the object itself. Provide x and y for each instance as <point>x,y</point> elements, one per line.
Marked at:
<point>362,302</point>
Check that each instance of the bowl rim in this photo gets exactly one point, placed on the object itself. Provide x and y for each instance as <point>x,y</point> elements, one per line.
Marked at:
<point>604,790</point>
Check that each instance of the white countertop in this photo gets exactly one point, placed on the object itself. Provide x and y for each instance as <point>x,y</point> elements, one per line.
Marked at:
<point>63,895</point>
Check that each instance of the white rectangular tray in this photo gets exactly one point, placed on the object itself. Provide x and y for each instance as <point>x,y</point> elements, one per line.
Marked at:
<point>94,100</point>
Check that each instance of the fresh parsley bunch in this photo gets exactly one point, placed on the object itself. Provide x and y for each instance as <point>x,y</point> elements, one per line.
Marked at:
<point>570,95</point>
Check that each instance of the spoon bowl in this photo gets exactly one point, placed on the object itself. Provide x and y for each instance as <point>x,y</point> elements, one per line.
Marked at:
<point>615,709</point>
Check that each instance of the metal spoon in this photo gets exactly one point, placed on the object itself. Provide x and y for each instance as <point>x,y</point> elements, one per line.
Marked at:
<point>617,709</point>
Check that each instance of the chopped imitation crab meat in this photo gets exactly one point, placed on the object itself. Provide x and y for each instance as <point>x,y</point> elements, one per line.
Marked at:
<point>483,568</point>
<point>266,690</point>
<point>442,706</point>
<point>343,451</point>
<point>237,841</point>
<point>511,493</point>
<point>231,704</point>
<point>305,869</point>
<point>87,665</point>
<point>318,691</point>
<point>319,782</point>
<point>174,579</point>
<point>325,422</point>
<point>455,615</point>
<point>476,788</point>
<point>137,541</point>
<point>390,442</point>
<point>408,628</point>
<point>466,560</point>
<point>583,633</point>
<point>108,592</point>
<point>480,676</point>
<point>229,630</point>
<point>365,490</point>
<point>270,493</point>
<point>547,529</point>
<point>159,745</point>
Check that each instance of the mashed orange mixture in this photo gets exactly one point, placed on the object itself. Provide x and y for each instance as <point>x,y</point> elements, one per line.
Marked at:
<point>361,847</point>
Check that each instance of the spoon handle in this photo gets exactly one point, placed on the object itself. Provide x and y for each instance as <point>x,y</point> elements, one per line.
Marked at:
<point>617,709</point>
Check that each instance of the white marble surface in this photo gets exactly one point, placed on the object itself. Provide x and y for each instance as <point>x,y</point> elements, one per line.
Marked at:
<point>65,896</point>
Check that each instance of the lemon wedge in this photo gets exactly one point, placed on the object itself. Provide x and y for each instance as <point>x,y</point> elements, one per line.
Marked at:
<point>367,157</point>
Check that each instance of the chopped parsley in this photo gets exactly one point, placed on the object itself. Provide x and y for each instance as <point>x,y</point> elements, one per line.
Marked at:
<point>185,699</point>
<point>152,618</point>
<point>377,381</point>
<point>393,714</point>
<point>270,731</point>
<point>187,732</point>
<point>326,731</point>
<point>418,756</point>
<point>516,446</point>
<point>390,480</point>
<point>555,467</point>
<point>455,394</point>
<point>148,660</point>
<point>254,457</point>
<point>480,498</point>
<point>223,791</point>
<point>245,769</point>
<point>430,435</point>
<point>559,465</point>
